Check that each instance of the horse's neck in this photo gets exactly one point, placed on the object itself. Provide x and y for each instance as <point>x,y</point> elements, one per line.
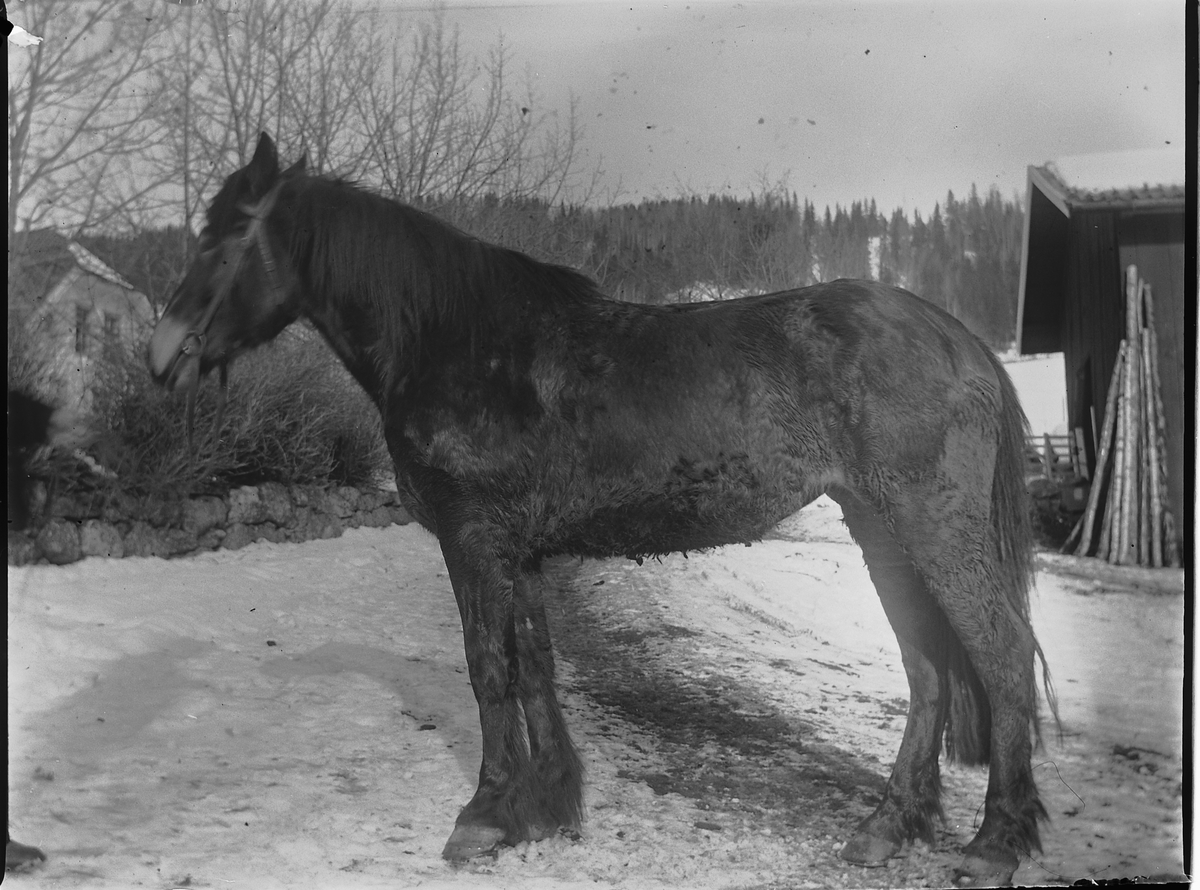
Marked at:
<point>355,355</point>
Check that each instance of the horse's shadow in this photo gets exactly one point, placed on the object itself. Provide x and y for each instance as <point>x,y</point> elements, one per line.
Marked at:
<point>419,682</point>
<point>719,741</point>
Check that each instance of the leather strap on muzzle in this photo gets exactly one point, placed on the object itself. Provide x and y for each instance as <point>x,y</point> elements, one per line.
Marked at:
<point>192,347</point>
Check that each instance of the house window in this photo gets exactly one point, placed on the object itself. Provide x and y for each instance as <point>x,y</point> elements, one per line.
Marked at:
<point>81,329</point>
<point>112,336</point>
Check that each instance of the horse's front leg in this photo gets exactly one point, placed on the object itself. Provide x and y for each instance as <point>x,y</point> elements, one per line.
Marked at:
<point>503,809</point>
<point>557,769</point>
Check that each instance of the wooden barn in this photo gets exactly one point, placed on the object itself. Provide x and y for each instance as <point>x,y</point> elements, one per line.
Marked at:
<point>1087,219</point>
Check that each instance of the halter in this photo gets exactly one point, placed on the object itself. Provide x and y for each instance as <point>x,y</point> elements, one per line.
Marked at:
<point>194,340</point>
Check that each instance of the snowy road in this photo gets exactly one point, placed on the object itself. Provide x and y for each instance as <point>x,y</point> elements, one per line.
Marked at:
<point>300,716</point>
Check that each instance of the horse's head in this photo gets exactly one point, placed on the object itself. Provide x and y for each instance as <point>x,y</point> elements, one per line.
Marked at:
<point>241,289</point>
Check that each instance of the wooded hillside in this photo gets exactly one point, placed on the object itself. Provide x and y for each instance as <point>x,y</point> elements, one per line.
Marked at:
<point>965,257</point>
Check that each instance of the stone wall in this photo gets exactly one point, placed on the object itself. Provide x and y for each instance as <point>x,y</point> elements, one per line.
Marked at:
<point>75,526</point>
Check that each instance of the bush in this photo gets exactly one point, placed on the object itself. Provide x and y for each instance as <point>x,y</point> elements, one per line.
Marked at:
<point>294,415</point>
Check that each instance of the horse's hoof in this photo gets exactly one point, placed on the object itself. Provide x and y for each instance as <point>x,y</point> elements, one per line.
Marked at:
<point>977,871</point>
<point>868,850</point>
<point>21,857</point>
<point>468,841</point>
<point>542,832</point>
<point>546,832</point>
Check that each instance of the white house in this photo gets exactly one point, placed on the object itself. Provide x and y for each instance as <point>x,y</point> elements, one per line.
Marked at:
<point>72,311</point>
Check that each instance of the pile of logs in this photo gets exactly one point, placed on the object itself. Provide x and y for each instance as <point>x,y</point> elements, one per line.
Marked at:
<point>1128,519</point>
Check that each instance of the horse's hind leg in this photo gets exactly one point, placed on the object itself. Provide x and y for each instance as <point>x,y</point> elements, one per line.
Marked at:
<point>557,769</point>
<point>945,525</point>
<point>911,800</point>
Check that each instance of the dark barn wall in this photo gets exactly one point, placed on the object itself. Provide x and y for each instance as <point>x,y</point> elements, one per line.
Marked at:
<point>1154,243</point>
<point>1045,277</point>
<point>1100,245</point>
<point>1093,318</point>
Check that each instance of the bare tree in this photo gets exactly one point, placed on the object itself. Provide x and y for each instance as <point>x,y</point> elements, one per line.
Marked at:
<point>416,119</point>
<point>243,67</point>
<point>440,125</point>
<point>117,114</point>
<point>80,114</point>
<point>332,54</point>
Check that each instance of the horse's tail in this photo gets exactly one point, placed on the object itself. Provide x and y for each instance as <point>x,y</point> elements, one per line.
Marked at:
<point>968,720</point>
<point>1010,517</point>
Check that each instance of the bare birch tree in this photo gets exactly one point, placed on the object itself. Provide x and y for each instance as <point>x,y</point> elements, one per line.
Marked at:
<point>80,115</point>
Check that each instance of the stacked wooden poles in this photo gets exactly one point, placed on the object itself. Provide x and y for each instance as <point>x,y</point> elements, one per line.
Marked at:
<point>1163,538</point>
<point>1128,501</point>
<point>1100,479</point>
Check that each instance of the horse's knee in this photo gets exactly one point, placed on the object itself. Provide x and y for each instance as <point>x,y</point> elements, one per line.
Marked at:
<point>492,671</point>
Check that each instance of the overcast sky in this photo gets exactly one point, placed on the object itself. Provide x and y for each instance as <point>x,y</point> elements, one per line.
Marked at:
<point>897,101</point>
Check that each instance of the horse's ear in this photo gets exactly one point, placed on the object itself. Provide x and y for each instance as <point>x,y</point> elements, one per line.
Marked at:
<point>263,167</point>
<point>299,167</point>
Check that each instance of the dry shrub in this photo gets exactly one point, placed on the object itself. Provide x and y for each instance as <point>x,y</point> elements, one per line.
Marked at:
<point>293,415</point>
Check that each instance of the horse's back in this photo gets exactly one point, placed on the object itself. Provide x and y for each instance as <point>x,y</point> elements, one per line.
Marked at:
<point>886,332</point>
<point>843,358</point>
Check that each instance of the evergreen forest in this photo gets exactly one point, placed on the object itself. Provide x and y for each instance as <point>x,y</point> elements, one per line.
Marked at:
<point>965,257</point>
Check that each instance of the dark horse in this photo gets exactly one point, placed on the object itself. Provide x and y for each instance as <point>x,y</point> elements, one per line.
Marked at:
<point>528,417</point>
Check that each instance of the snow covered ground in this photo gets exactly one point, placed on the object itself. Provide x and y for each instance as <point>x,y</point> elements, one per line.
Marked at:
<point>300,716</point>
<point>1041,383</point>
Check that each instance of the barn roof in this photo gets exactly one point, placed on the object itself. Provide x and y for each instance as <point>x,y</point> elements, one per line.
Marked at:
<point>1143,179</point>
<point>1149,181</point>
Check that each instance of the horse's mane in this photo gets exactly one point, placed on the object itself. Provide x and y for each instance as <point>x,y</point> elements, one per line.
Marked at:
<point>426,283</point>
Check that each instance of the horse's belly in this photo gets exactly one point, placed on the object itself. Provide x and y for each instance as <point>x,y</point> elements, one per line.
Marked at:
<point>672,522</point>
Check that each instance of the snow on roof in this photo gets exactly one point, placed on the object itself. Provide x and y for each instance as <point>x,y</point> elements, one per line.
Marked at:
<point>1145,175</point>
<point>53,254</point>
<point>89,262</point>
